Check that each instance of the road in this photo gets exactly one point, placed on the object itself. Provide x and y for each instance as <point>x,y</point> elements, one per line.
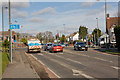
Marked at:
<point>80,64</point>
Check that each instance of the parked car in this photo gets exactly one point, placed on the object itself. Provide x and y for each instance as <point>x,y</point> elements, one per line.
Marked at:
<point>56,48</point>
<point>66,44</point>
<point>47,46</point>
<point>63,45</point>
<point>80,46</point>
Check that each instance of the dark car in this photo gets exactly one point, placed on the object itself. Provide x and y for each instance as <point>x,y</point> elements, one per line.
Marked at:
<point>80,46</point>
<point>56,48</point>
<point>47,46</point>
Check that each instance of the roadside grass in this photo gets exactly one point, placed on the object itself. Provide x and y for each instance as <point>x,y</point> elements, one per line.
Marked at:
<point>5,60</point>
<point>111,52</point>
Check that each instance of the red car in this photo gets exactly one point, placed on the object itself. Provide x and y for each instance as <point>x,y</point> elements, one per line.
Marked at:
<point>56,48</point>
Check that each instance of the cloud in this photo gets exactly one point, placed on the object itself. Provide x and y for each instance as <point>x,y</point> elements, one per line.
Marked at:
<point>87,4</point>
<point>36,20</point>
<point>16,5</point>
<point>19,14</point>
<point>20,4</point>
<point>47,10</point>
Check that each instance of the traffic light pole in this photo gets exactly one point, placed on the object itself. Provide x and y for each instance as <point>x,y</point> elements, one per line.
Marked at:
<point>10,49</point>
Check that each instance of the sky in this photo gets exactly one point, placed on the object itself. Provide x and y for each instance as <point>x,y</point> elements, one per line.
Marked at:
<point>38,17</point>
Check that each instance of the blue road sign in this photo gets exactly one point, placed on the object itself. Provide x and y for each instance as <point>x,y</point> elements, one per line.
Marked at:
<point>14,26</point>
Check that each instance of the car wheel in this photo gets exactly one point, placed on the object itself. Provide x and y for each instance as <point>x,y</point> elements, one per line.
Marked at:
<point>74,48</point>
<point>86,49</point>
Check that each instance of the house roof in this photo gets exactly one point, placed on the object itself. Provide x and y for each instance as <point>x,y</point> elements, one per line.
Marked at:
<point>112,21</point>
<point>7,33</point>
<point>73,34</point>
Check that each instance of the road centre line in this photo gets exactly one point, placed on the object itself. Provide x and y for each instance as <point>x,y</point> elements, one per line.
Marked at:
<point>91,57</point>
<point>70,60</point>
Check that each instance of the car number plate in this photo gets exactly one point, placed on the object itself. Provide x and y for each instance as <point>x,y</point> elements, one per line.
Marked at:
<point>83,48</point>
<point>58,49</point>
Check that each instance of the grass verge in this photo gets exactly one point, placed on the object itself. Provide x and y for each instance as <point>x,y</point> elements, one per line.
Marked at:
<point>111,52</point>
<point>5,60</point>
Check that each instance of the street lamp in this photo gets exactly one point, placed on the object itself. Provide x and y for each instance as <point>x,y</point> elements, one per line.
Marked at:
<point>105,21</point>
<point>105,15</point>
<point>97,30</point>
<point>3,20</point>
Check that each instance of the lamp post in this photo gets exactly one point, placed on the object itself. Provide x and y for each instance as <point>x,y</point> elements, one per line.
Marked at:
<point>97,30</point>
<point>106,21</point>
<point>3,22</point>
<point>10,50</point>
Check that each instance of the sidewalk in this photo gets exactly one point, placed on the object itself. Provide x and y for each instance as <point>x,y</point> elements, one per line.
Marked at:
<point>20,67</point>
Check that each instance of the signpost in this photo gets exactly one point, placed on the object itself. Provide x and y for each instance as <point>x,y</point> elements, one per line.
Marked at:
<point>12,26</point>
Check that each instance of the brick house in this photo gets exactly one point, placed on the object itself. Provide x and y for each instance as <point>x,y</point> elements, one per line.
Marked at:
<point>112,22</point>
<point>7,35</point>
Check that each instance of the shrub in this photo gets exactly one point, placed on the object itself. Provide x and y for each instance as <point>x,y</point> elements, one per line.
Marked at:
<point>117,35</point>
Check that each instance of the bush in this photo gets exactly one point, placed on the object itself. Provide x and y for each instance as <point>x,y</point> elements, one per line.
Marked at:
<point>117,35</point>
<point>5,44</point>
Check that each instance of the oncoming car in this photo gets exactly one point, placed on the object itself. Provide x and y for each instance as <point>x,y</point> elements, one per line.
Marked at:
<point>80,46</point>
<point>56,48</point>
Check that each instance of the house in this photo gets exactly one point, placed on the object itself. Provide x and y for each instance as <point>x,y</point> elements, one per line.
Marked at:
<point>112,22</point>
<point>74,36</point>
<point>6,34</point>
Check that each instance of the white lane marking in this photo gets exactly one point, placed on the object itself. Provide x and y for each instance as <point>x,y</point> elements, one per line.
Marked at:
<point>72,68</point>
<point>102,59</point>
<point>115,67</point>
<point>45,65</point>
<point>70,60</point>
<point>77,73</point>
<point>93,57</point>
<point>40,54</point>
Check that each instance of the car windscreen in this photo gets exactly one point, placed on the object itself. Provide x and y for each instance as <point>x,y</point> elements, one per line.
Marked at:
<point>49,44</point>
<point>57,45</point>
<point>80,43</point>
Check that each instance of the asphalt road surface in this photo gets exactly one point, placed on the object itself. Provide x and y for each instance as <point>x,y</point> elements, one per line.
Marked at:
<point>80,64</point>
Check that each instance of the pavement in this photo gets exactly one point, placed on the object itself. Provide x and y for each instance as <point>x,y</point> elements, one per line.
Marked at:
<point>20,67</point>
<point>80,64</point>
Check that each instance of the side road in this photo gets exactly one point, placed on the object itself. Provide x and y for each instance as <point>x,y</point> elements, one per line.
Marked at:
<point>20,67</point>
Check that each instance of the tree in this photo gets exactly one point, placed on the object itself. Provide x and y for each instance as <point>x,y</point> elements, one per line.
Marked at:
<point>39,36</point>
<point>82,32</point>
<point>45,36</point>
<point>63,39</point>
<point>97,33</point>
<point>24,40</point>
<point>5,43</point>
<point>117,35</point>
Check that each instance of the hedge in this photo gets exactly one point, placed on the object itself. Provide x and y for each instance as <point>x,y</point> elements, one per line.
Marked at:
<point>117,35</point>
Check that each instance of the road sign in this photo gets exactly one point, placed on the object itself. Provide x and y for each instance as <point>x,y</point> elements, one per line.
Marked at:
<point>14,26</point>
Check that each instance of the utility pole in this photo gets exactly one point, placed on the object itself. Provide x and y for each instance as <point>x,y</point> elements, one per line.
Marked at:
<point>97,30</point>
<point>10,51</point>
<point>64,30</point>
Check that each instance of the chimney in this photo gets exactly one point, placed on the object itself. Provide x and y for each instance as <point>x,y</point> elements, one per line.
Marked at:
<point>107,15</point>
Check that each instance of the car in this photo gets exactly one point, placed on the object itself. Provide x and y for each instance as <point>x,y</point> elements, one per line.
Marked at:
<point>80,46</point>
<point>63,45</point>
<point>47,46</point>
<point>56,48</point>
<point>66,44</point>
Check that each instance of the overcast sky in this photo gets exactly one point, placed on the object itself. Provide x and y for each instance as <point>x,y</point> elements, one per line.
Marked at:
<point>50,16</point>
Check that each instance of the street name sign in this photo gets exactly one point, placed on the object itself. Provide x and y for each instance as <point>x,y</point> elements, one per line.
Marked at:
<point>14,26</point>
